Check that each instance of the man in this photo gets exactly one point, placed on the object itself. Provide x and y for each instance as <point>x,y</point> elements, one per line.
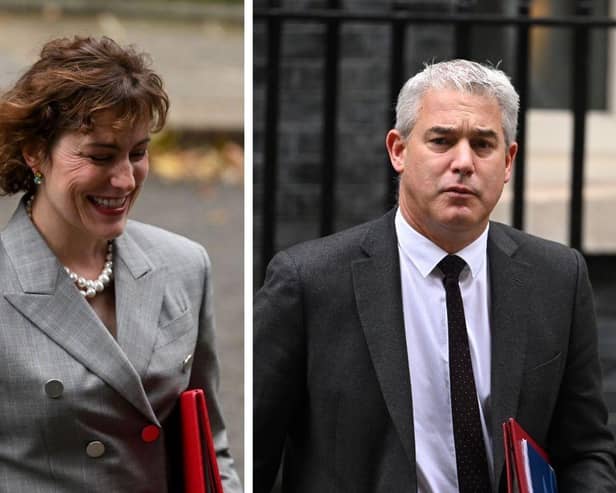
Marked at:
<point>387,357</point>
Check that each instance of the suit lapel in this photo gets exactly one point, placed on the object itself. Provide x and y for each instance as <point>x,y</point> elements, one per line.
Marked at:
<point>509,325</point>
<point>379,303</point>
<point>50,300</point>
<point>139,294</point>
<point>378,294</point>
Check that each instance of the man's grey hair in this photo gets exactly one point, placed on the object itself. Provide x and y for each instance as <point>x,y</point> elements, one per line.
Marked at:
<point>464,76</point>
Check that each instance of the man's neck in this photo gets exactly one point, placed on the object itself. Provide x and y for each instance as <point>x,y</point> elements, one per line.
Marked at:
<point>452,239</point>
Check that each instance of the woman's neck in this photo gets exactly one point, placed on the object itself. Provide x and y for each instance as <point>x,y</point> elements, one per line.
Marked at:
<point>75,250</point>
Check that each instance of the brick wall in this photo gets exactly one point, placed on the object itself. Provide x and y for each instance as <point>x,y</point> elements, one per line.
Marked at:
<point>364,116</point>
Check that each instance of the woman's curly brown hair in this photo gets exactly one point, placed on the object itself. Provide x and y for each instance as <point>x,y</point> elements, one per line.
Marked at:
<point>72,81</point>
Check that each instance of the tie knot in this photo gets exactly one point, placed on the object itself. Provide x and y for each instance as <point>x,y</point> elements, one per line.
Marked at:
<point>451,266</point>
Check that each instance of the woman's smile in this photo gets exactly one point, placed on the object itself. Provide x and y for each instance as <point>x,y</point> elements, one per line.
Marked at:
<point>109,206</point>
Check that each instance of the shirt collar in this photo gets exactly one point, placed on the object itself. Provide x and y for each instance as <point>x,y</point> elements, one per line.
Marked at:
<point>425,255</point>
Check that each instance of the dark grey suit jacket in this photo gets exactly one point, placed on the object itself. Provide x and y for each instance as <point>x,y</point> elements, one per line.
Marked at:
<point>331,378</point>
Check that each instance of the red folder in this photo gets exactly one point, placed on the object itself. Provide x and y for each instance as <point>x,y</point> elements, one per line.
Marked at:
<point>525,460</point>
<point>201,473</point>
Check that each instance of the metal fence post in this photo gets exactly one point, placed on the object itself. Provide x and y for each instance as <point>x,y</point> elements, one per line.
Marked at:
<point>396,76</point>
<point>521,82</point>
<point>580,72</point>
<point>463,30</point>
<point>270,154</point>
<point>330,119</point>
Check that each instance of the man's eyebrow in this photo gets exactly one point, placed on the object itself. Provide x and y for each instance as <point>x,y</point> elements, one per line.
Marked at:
<point>485,133</point>
<point>440,129</point>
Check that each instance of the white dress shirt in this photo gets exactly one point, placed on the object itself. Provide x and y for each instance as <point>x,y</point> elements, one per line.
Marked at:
<point>425,323</point>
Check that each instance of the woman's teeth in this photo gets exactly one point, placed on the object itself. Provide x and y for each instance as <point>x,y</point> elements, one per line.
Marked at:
<point>109,203</point>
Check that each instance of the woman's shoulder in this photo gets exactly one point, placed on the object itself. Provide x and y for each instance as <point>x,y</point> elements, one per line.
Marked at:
<point>163,246</point>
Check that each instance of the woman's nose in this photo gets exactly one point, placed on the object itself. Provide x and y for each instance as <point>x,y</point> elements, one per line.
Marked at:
<point>122,176</point>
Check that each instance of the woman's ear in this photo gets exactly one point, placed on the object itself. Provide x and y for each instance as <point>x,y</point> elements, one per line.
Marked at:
<point>32,156</point>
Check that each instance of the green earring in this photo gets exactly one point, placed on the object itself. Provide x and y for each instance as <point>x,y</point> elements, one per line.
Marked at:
<point>38,178</point>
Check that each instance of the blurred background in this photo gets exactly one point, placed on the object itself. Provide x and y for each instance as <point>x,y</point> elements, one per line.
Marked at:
<point>326,78</point>
<point>195,187</point>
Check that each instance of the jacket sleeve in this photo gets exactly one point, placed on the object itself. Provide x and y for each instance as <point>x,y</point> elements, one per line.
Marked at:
<point>278,368</point>
<point>581,446</point>
<point>205,374</point>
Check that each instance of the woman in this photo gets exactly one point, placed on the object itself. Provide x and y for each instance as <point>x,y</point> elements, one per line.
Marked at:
<point>103,321</point>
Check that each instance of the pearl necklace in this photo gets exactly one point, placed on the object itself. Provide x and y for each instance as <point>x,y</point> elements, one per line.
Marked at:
<point>87,287</point>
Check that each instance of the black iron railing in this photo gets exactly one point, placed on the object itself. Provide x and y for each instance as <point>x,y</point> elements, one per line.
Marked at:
<point>602,268</point>
<point>581,25</point>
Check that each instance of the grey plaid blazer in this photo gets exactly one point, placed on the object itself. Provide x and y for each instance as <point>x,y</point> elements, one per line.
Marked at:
<point>75,401</point>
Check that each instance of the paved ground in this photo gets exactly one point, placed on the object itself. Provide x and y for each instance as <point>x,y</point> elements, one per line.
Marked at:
<point>212,216</point>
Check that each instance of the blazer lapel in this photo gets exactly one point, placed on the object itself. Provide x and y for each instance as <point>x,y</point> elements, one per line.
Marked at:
<point>378,295</point>
<point>509,325</point>
<point>139,294</point>
<point>50,300</point>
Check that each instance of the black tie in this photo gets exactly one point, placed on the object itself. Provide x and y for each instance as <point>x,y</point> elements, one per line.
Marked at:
<point>471,461</point>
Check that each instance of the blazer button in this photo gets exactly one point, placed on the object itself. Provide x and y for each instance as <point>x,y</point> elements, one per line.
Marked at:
<point>186,363</point>
<point>95,449</point>
<point>54,388</point>
<point>150,433</point>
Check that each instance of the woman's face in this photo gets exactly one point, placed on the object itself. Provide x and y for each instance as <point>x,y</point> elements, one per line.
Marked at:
<point>91,181</point>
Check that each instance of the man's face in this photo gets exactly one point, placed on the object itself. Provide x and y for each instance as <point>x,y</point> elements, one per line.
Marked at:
<point>452,166</point>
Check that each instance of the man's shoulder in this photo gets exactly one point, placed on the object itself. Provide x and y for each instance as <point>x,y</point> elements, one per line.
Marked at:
<point>331,257</point>
<point>345,243</point>
<point>326,266</point>
<point>532,249</point>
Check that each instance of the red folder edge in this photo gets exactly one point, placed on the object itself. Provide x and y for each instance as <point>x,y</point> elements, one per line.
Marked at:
<point>197,434</point>
<point>513,434</point>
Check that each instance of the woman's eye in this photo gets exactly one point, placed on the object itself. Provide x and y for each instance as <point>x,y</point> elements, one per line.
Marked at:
<point>101,158</point>
<point>137,156</point>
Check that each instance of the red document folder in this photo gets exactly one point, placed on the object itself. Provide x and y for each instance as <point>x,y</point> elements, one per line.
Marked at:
<point>200,466</point>
<point>527,464</point>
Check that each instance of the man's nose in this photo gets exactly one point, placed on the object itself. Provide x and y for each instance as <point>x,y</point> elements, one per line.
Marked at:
<point>463,159</point>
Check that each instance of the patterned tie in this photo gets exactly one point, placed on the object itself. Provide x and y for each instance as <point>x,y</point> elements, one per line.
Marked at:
<point>471,460</point>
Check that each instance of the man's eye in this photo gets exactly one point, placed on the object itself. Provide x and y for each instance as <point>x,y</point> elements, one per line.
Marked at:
<point>439,141</point>
<point>484,144</point>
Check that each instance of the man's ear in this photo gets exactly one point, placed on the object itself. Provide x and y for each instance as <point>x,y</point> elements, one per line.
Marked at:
<point>396,148</point>
<point>510,160</point>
